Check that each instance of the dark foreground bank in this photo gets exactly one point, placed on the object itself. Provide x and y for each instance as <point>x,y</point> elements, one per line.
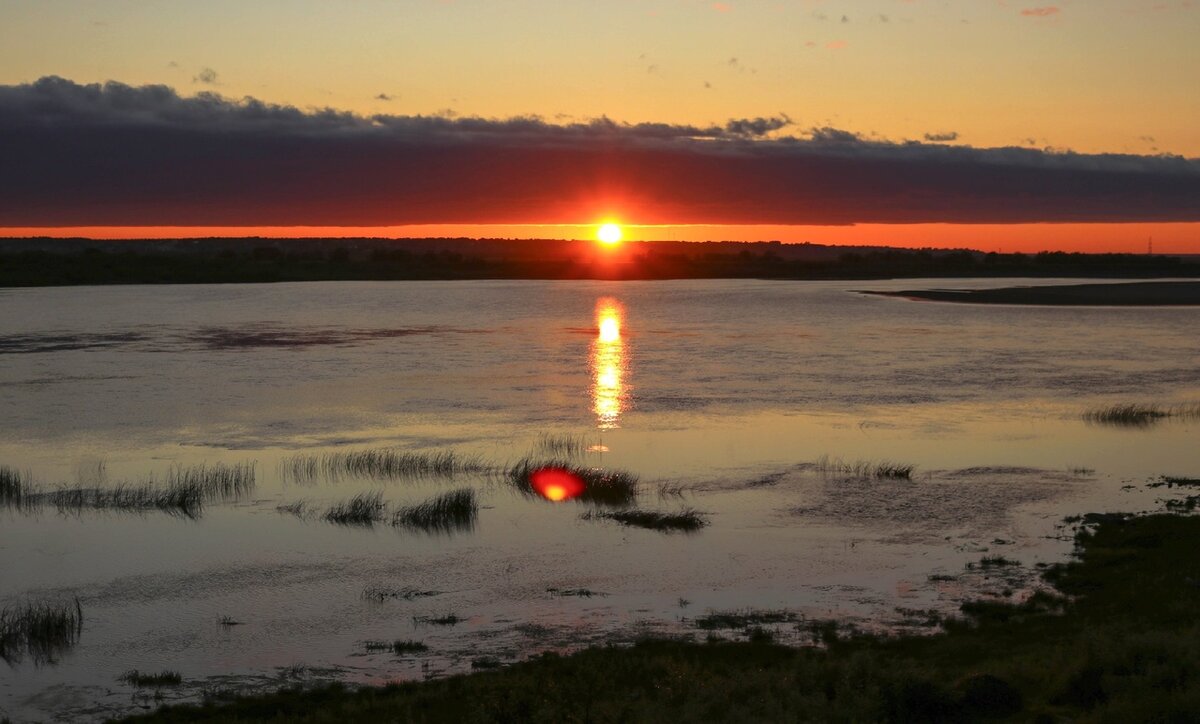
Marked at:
<point>66,262</point>
<point>1116,640</point>
<point>1128,294</point>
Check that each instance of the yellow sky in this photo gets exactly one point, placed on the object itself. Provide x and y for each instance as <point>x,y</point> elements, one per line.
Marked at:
<point>1094,76</point>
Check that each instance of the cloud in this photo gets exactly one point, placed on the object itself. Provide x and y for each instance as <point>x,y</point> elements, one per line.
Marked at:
<point>944,137</point>
<point>1042,12</point>
<point>207,76</point>
<point>121,155</point>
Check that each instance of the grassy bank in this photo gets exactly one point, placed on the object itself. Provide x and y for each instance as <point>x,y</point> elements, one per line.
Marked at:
<point>1118,643</point>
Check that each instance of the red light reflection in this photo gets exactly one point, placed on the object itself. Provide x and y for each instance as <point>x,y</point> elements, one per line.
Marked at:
<point>556,484</point>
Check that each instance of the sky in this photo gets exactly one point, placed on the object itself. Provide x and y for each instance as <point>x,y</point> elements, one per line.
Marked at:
<point>986,123</point>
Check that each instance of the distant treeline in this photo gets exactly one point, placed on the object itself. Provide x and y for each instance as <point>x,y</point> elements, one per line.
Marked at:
<point>43,263</point>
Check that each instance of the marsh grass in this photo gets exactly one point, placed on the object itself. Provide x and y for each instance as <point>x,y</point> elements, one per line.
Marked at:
<point>300,509</point>
<point>685,520</point>
<point>997,561</point>
<point>43,631</point>
<point>185,501</point>
<point>1140,415</point>
<point>573,592</point>
<point>398,647</point>
<point>185,492</point>
<point>380,464</point>
<point>146,680</point>
<point>13,484</point>
<point>448,512</point>
<point>384,593</point>
<point>446,619</point>
<point>1172,481</point>
<point>560,445</point>
<point>672,490</point>
<point>731,620</point>
<point>601,487</point>
<point>1117,642</point>
<point>214,482</point>
<point>883,469</point>
<point>364,509</point>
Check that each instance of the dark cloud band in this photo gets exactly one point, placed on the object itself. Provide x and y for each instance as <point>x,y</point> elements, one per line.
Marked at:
<point>114,154</point>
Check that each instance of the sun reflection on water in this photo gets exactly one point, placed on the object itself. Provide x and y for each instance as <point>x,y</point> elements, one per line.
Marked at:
<point>609,365</point>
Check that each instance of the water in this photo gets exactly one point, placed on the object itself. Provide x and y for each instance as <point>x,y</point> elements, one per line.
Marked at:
<point>722,388</point>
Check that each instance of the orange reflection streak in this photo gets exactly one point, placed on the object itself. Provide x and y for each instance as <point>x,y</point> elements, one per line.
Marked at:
<point>609,365</point>
<point>556,484</point>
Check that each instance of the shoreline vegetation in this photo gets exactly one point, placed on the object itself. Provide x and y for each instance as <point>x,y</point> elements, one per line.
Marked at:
<point>1124,294</point>
<point>38,262</point>
<point>1112,637</point>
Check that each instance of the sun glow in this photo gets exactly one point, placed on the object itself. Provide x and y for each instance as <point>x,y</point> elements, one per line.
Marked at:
<point>609,234</point>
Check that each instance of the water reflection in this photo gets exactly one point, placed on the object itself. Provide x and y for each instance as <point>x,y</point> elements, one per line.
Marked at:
<point>609,365</point>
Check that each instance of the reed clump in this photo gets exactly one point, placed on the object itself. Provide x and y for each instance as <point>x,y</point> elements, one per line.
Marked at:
<point>219,481</point>
<point>364,509</point>
<point>380,464</point>
<point>600,487</point>
<point>407,593</point>
<point>41,630</point>
<point>398,647</point>
<point>147,679</point>
<point>452,511</point>
<point>13,485</point>
<point>564,445</point>
<point>685,520</point>
<point>883,469</point>
<point>1140,415</point>
<point>185,492</point>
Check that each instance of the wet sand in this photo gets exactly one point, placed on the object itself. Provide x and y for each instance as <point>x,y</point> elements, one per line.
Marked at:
<point>1128,294</point>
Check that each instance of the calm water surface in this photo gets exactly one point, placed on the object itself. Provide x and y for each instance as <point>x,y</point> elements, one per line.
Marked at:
<point>723,389</point>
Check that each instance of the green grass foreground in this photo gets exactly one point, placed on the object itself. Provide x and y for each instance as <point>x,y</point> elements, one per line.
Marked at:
<point>1122,644</point>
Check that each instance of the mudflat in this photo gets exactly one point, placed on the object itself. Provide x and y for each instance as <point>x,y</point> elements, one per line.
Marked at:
<point>1123,294</point>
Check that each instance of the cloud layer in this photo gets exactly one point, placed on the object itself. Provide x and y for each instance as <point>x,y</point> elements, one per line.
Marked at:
<point>113,154</point>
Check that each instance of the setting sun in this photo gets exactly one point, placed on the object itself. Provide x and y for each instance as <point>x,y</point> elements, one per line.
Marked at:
<point>609,234</point>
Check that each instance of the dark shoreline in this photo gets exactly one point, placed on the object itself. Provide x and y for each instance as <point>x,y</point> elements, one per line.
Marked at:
<point>90,262</point>
<point>1111,636</point>
<point>1122,294</point>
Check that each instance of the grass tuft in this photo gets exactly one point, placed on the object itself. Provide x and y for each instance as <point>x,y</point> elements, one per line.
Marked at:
<point>1140,415</point>
<point>685,520</point>
<point>13,485</point>
<point>397,647</point>
<point>364,509</point>
<point>883,469</point>
<point>140,679</point>
<point>731,620</point>
<point>447,619</point>
<point>185,492</point>
<point>43,631</point>
<point>383,593</point>
<point>380,464</point>
<point>600,487</point>
<point>561,445</point>
<point>448,512</point>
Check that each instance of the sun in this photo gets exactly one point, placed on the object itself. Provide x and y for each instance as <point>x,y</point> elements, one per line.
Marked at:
<point>609,234</point>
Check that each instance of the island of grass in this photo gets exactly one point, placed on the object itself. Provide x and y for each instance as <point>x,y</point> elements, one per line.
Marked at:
<point>1116,642</point>
<point>1121,294</point>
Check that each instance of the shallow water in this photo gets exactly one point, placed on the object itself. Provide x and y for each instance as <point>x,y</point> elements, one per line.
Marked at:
<point>724,389</point>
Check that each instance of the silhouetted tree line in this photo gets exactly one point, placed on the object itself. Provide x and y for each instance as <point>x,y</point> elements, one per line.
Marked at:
<point>111,264</point>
